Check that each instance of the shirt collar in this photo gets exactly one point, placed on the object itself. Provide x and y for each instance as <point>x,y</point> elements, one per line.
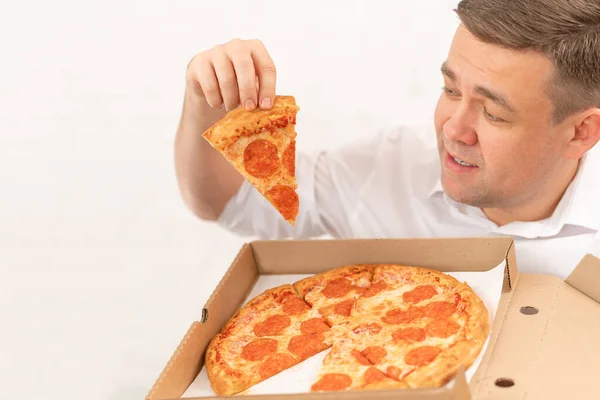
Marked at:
<point>437,186</point>
<point>583,208</point>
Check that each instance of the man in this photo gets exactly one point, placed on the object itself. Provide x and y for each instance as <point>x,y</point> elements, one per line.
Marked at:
<point>516,125</point>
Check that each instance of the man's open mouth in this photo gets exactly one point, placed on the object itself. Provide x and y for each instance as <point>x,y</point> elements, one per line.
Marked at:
<point>461,162</point>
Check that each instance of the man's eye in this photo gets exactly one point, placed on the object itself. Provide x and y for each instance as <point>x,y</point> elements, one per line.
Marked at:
<point>450,92</point>
<point>491,117</point>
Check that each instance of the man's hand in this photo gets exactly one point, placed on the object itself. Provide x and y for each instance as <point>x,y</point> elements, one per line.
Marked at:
<point>234,73</point>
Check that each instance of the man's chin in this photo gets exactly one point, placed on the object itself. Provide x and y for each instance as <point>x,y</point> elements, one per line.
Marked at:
<point>462,195</point>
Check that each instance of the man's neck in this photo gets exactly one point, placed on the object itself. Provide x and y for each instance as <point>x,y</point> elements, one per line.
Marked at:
<point>540,207</point>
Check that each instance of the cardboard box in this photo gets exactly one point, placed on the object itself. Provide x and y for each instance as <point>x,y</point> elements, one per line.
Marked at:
<point>544,342</point>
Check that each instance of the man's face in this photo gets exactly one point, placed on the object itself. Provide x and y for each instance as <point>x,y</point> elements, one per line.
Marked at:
<point>494,114</point>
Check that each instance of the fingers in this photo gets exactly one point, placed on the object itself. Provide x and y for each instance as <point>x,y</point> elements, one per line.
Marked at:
<point>246,75</point>
<point>209,84</point>
<point>238,72</point>
<point>226,77</point>
<point>266,73</point>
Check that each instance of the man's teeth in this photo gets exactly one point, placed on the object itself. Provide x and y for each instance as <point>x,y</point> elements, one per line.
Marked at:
<point>461,162</point>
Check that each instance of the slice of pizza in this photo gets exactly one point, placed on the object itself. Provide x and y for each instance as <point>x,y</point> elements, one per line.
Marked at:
<point>261,145</point>
<point>430,323</point>
<point>349,366</point>
<point>334,292</point>
<point>270,333</point>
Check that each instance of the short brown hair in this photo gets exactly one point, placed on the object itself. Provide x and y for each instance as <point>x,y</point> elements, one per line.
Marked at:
<point>566,31</point>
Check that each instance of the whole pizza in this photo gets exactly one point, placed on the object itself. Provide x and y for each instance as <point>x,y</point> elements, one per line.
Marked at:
<point>384,326</point>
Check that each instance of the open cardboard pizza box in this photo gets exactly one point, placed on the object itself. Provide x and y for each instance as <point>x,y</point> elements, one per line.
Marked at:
<point>544,343</point>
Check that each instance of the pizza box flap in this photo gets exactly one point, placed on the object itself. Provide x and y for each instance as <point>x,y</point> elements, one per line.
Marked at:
<point>586,277</point>
<point>547,346</point>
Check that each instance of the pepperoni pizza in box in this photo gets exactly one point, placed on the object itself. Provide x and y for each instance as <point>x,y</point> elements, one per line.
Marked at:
<point>378,326</point>
<point>261,145</point>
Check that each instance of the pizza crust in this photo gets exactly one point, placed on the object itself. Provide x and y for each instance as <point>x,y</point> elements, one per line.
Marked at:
<point>224,380</point>
<point>418,275</point>
<point>223,133</point>
<point>264,300</point>
<point>464,352</point>
<point>386,385</point>
<point>445,366</point>
<point>476,330</point>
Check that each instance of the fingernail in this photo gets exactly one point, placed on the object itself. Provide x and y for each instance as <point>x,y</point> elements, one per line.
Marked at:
<point>249,105</point>
<point>265,103</point>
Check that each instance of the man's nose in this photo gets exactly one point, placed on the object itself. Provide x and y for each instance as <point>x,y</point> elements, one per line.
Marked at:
<point>460,127</point>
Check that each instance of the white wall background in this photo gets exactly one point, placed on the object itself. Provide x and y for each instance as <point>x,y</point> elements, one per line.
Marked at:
<point>102,268</point>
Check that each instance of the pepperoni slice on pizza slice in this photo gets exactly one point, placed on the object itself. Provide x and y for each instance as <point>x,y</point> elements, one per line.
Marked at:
<point>272,332</point>
<point>261,145</point>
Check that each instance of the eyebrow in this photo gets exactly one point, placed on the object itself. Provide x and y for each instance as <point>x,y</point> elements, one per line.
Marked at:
<point>483,91</point>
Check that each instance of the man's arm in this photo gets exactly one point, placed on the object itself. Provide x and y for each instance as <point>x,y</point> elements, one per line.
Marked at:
<point>220,79</point>
<point>206,180</point>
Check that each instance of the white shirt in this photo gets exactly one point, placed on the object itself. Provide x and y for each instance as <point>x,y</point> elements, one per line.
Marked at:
<point>389,186</point>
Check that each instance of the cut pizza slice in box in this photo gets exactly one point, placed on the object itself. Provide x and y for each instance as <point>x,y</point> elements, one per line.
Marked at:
<point>261,146</point>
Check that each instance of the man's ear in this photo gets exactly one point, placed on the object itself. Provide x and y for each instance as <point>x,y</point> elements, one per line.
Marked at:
<point>586,133</point>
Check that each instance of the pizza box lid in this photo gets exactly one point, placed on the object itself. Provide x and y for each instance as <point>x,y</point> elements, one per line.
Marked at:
<point>532,332</point>
<point>547,346</point>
